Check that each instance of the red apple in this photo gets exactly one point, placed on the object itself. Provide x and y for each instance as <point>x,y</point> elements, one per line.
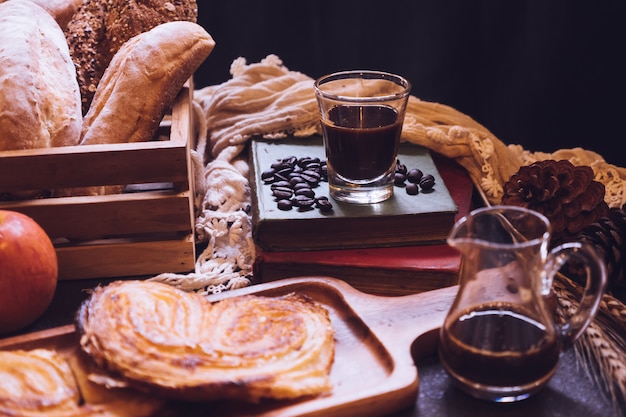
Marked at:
<point>28,271</point>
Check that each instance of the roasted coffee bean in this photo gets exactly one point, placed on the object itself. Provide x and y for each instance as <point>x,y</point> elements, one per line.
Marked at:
<point>414,175</point>
<point>313,165</point>
<point>324,172</point>
<point>302,201</point>
<point>284,205</point>
<point>300,185</point>
<point>307,161</point>
<point>282,193</point>
<point>427,182</point>
<point>286,171</point>
<point>311,176</point>
<point>398,179</point>
<point>278,184</point>
<point>277,165</point>
<point>268,173</point>
<point>293,181</point>
<point>400,167</point>
<point>302,162</point>
<point>324,205</point>
<point>307,192</point>
<point>412,189</point>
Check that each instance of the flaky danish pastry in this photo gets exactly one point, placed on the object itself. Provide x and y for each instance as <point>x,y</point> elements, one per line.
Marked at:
<point>157,338</point>
<point>40,382</point>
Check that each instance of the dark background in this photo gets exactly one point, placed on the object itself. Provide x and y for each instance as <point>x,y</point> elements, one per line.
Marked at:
<point>546,74</point>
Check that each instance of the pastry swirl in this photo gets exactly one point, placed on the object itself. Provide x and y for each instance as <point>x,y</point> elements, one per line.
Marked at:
<point>158,338</point>
<point>40,382</point>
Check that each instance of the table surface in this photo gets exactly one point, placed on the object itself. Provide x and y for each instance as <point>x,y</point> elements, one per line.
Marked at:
<point>571,392</point>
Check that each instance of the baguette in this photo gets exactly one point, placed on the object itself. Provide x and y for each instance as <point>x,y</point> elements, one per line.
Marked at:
<point>40,99</point>
<point>142,81</point>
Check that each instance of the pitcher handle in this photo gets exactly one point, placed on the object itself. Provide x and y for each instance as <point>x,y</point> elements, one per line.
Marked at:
<point>594,289</point>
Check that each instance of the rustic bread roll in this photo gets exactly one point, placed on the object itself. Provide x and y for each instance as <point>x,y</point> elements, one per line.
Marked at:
<point>177,344</point>
<point>39,99</point>
<point>142,81</point>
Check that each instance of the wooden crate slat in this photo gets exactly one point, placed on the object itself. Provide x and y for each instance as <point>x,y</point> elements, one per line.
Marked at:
<point>78,166</point>
<point>180,133</point>
<point>109,215</point>
<point>124,258</point>
<point>106,164</point>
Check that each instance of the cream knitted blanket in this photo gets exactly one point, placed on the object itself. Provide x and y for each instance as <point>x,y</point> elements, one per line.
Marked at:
<point>266,99</point>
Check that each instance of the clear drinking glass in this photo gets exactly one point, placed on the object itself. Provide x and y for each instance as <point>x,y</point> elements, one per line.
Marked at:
<point>362,113</point>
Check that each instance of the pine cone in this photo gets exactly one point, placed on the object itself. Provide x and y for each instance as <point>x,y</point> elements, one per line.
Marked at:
<point>608,237</point>
<point>566,194</point>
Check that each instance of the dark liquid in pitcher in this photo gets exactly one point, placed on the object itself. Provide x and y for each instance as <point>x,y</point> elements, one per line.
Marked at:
<point>362,141</point>
<point>498,347</point>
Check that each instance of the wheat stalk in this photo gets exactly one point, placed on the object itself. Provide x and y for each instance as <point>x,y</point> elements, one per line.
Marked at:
<point>601,349</point>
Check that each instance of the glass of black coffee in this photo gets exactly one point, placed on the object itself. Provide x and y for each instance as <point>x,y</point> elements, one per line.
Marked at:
<point>361,115</point>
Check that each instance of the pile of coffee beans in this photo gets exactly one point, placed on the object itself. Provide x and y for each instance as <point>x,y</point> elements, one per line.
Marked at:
<point>412,179</point>
<point>293,181</point>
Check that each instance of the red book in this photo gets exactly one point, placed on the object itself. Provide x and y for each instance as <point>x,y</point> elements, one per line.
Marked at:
<point>387,270</point>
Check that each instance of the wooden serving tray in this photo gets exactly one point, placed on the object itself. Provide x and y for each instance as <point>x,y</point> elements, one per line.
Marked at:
<point>378,340</point>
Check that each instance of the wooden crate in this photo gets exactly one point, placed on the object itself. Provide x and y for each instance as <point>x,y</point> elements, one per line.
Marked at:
<point>145,230</point>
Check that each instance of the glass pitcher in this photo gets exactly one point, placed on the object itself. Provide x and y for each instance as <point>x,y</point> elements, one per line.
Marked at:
<point>499,340</point>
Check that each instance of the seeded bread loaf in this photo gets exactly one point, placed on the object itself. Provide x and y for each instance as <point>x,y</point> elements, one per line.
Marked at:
<point>128,18</point>
<point>100,27</point>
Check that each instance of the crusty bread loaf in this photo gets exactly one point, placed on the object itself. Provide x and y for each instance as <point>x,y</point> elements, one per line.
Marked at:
<point>100,27</point>
<point>61,10</point>
<point>39,99</point>
<point>142,81</point>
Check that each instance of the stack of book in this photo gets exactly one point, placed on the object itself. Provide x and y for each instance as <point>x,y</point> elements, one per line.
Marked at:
<point>392,248</point>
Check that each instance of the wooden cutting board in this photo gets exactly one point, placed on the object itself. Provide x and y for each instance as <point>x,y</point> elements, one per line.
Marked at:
<point>378,340</point>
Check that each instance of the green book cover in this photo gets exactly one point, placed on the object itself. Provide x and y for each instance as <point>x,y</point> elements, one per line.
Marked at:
<point>403,219</point>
